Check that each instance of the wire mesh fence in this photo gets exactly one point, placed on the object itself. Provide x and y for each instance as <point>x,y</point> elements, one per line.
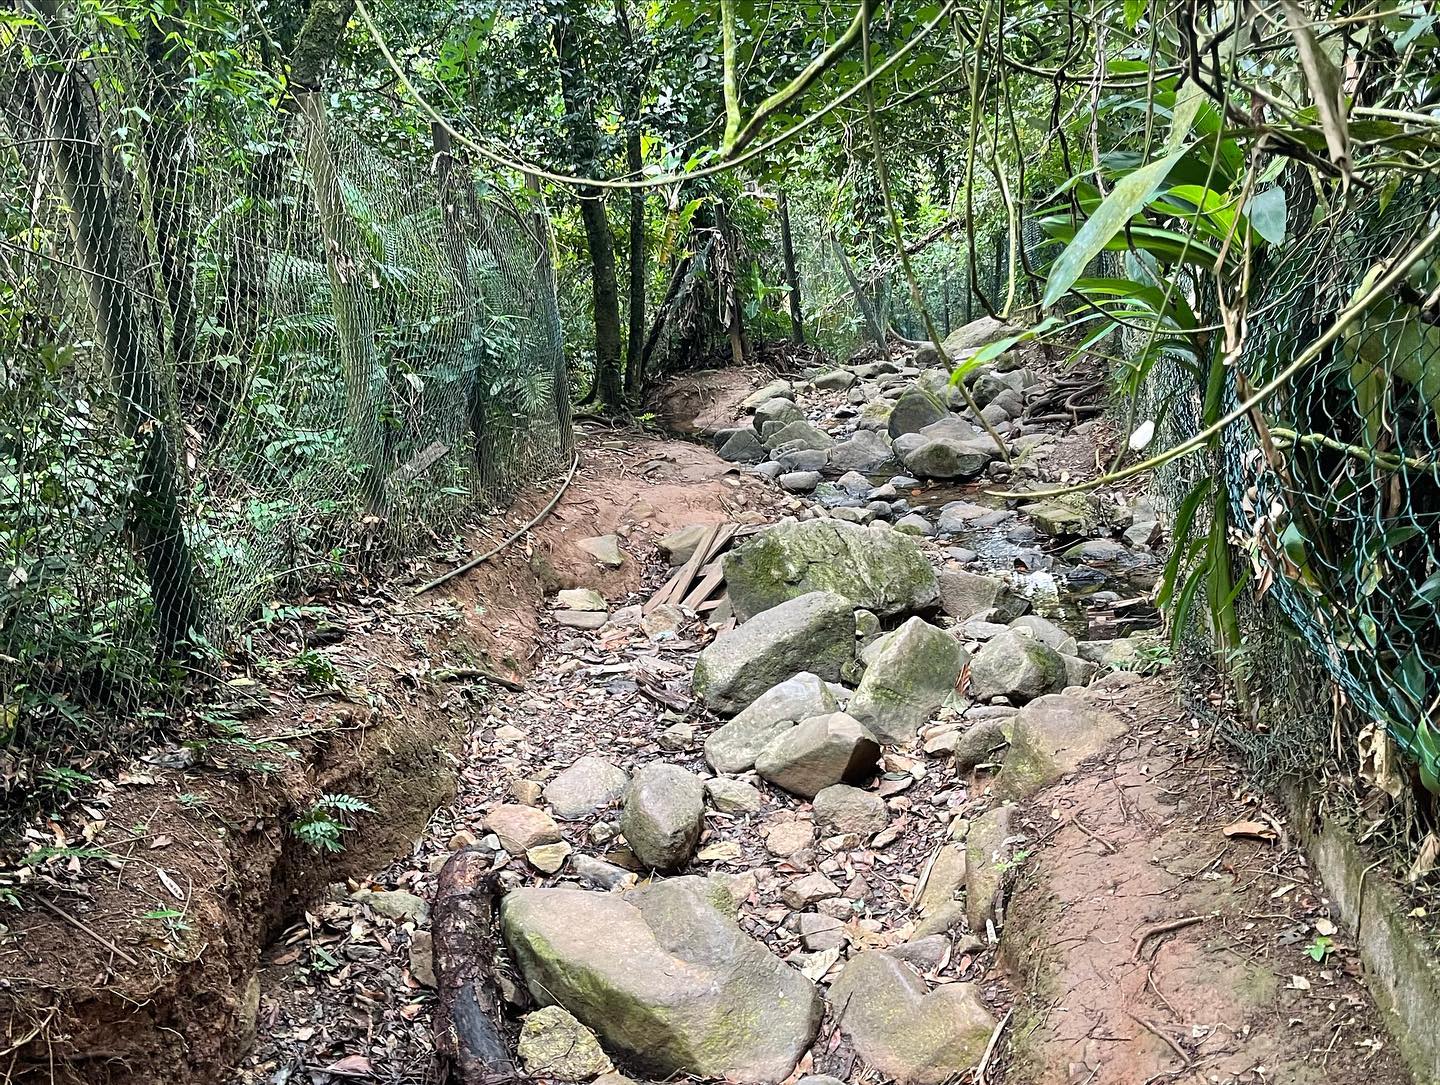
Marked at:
<point>232,368</point>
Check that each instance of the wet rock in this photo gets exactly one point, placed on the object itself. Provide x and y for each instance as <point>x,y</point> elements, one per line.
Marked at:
<point>1060,516</point>
<point>841,808</point>
<point>944,458</point>
<point>581,599</point>
<point>556,1046</point>
<point>665,976</point>
<point>733,796</point>
<point>964,595</point>
<point>815,631</point>
<point>1115,559</point>
<point>678,546</point>
<point>914,1037</point>
<point>1046,632</point>
<point>818,752</point>
<point>798,434</point>
<point>866,451</point>
<point>1050,737</point>
<point>799,482</point>
<point>664,812</point>
<point>874,568</point>
<point>811,889</point>
<point>959,516</point>
<point>521,828</point>
<point>988,851</point>
<point>909,673</point>
<point>735,745</point>
<point>854,483</point>
<point>742,446</point>
<point>1017,667</point>
<point>778,410</point>
<point>588,785</point>
<point>914,410</point>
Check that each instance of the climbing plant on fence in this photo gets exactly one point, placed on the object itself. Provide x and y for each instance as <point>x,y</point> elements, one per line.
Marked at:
<point>243,355</point>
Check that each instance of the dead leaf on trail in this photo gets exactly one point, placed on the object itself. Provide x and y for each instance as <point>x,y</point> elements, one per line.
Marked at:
<point>1299,983</point>
<point>1256,829</point>
<point>164,840</point>
<point>1426,860</point>
<point>350,1066</point>
<point>1324,927</point>
<point>169,883</point>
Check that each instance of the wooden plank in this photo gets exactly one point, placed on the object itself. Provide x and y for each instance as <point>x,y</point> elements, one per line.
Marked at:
<point>722,540</point>
<point>713,577</point>
<point>680,583</point>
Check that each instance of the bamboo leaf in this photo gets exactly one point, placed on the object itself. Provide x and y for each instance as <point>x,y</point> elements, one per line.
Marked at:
<point>1130,194</point>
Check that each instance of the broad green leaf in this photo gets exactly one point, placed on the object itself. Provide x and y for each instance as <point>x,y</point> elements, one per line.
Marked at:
<point>1129,196</point>
<point>1133,10</point>
<point>1266,212</point>
<point>1188,100</point>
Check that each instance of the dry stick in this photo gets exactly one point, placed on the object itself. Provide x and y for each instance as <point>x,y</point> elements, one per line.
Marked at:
<point>1150,1027</point>
<point>63,914</point>
<point>990,1047</point>
<point>1109,847</point>
<point>453,573</point>
<point>1164,928</point>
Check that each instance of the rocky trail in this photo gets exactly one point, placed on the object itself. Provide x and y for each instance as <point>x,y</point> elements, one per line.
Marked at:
<point>915,800</point>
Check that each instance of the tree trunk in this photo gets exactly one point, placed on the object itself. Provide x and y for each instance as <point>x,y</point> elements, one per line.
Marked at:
<point>634,163</point>
<point>469,1047</point>
<point>153,517</point>
<point>872,319</point>
<point>575,92</point>
<point>792,275</point>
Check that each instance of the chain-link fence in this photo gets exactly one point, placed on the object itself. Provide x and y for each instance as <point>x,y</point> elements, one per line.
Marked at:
<point>233,365</point>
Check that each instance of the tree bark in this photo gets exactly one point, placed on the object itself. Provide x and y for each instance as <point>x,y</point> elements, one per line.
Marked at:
<point>634,163</point>
<point>469,1046</point>
<point>575,92</point>
<point>735,313</point>
<point>792,274</point>
<point>62,98</point>
<point>872,319</point>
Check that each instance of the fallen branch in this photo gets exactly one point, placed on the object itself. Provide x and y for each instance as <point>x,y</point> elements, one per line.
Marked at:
<point>990,1047</point>
<point>1156,929</point>
<point>1155,1030</point>
<point>86,929</point>
<point>469,1047</point>
<point>453,573</point>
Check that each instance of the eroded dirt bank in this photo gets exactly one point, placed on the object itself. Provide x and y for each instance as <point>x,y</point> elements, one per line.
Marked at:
<point>164,886</point>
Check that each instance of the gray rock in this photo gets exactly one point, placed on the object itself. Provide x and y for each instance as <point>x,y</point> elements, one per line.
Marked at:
<point>927,953</point>
<point>1046,632</point>
<point>777,410</point>
<point>989,846</point>
<point>990,386</point>
<point>734,746</point>
<point>581,619</point>
<point>580,599</point>
<point>802,459</point>
<point>1122,653</point>
<point>733,796</point>
<point>1118,560</point>
<point>1060,516</point>
<point>395,904</point>
<point>915,524</point>
<point>908,1035</point>
<point>819,931</point>
<point>1078,672</point>
<point>874,568</point>
<point>664,812</point>
<point>799,482</point>
<point>818,752</point>
<point>555,1046</point>
<point>811,889</point>
<point>600,874</point>
<point>875,415</point>
<point>908,674</point>
<point>954,428</point>
<point>853,516</point>
<point>814,631</point>
<point>866,451</point>
<point>666,977</point>
<point>914,410</point>
<point>519,827</point>
<point>798,434</point>
<point>833,380</point>
<point>605,549</point>
<point>945,458</point>
<point>765,393</point>
<point>944,881</point>
<point>854,483</point>
<point>841,808</point>
<point>1050,737</point>
<point>966,340</point>
<point>1017,667</point>
<point>769,469</point>
<point>589,785</point>
<point>965,595</point>
<point>742,446</point>
<point>978,744</point>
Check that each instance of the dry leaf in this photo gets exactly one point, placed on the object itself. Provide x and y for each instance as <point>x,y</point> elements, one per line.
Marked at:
<point>1299,983</point>
<point>350,1066</point>
<point>1426,859</point>
<point>169,883</point>
<point>1257,829</point>
<point>164,840</point>
<point>1324,927</point>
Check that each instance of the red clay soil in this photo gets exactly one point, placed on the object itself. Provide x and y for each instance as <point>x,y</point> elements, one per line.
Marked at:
<point>1161,923</point>
<point>135,954</point>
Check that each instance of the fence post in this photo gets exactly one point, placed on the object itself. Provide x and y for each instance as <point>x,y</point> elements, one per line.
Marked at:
<point>153,518</point>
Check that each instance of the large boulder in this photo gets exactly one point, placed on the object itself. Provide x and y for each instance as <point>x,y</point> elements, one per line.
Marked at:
<point>908,674</point>
<point>965,594</point>
<point>914,410</point>
<point>742,446</point>
<point>664,812</point>
<point>874,567</point>
<point>1050,737</point>
<point>1060,516</point>
<point>1015,666</point>
<point>866,451</point>
<point>590,784</point>
<point>966,340</point>
<point>797,434</point>
<point>818,752</point>
<point>665,976</point>
<point>734,746</point>
<point>777,410</point>
<point>947,458</point>
<point>909,1035</point>
<point>841,808</point>
<point>814,632</point>
<point>767,392</point>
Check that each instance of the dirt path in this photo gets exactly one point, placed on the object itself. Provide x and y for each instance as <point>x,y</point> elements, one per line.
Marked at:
<point>1153,924</point>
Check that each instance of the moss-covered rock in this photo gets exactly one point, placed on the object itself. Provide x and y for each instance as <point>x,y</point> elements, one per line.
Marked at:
<point>1016,666</point>
<point>1050,737</point>
<point>665,977</point>
<point>909,672</point>
<point>873,567</point>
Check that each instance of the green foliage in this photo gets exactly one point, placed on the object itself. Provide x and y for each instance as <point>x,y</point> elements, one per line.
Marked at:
<point>322,826</point>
